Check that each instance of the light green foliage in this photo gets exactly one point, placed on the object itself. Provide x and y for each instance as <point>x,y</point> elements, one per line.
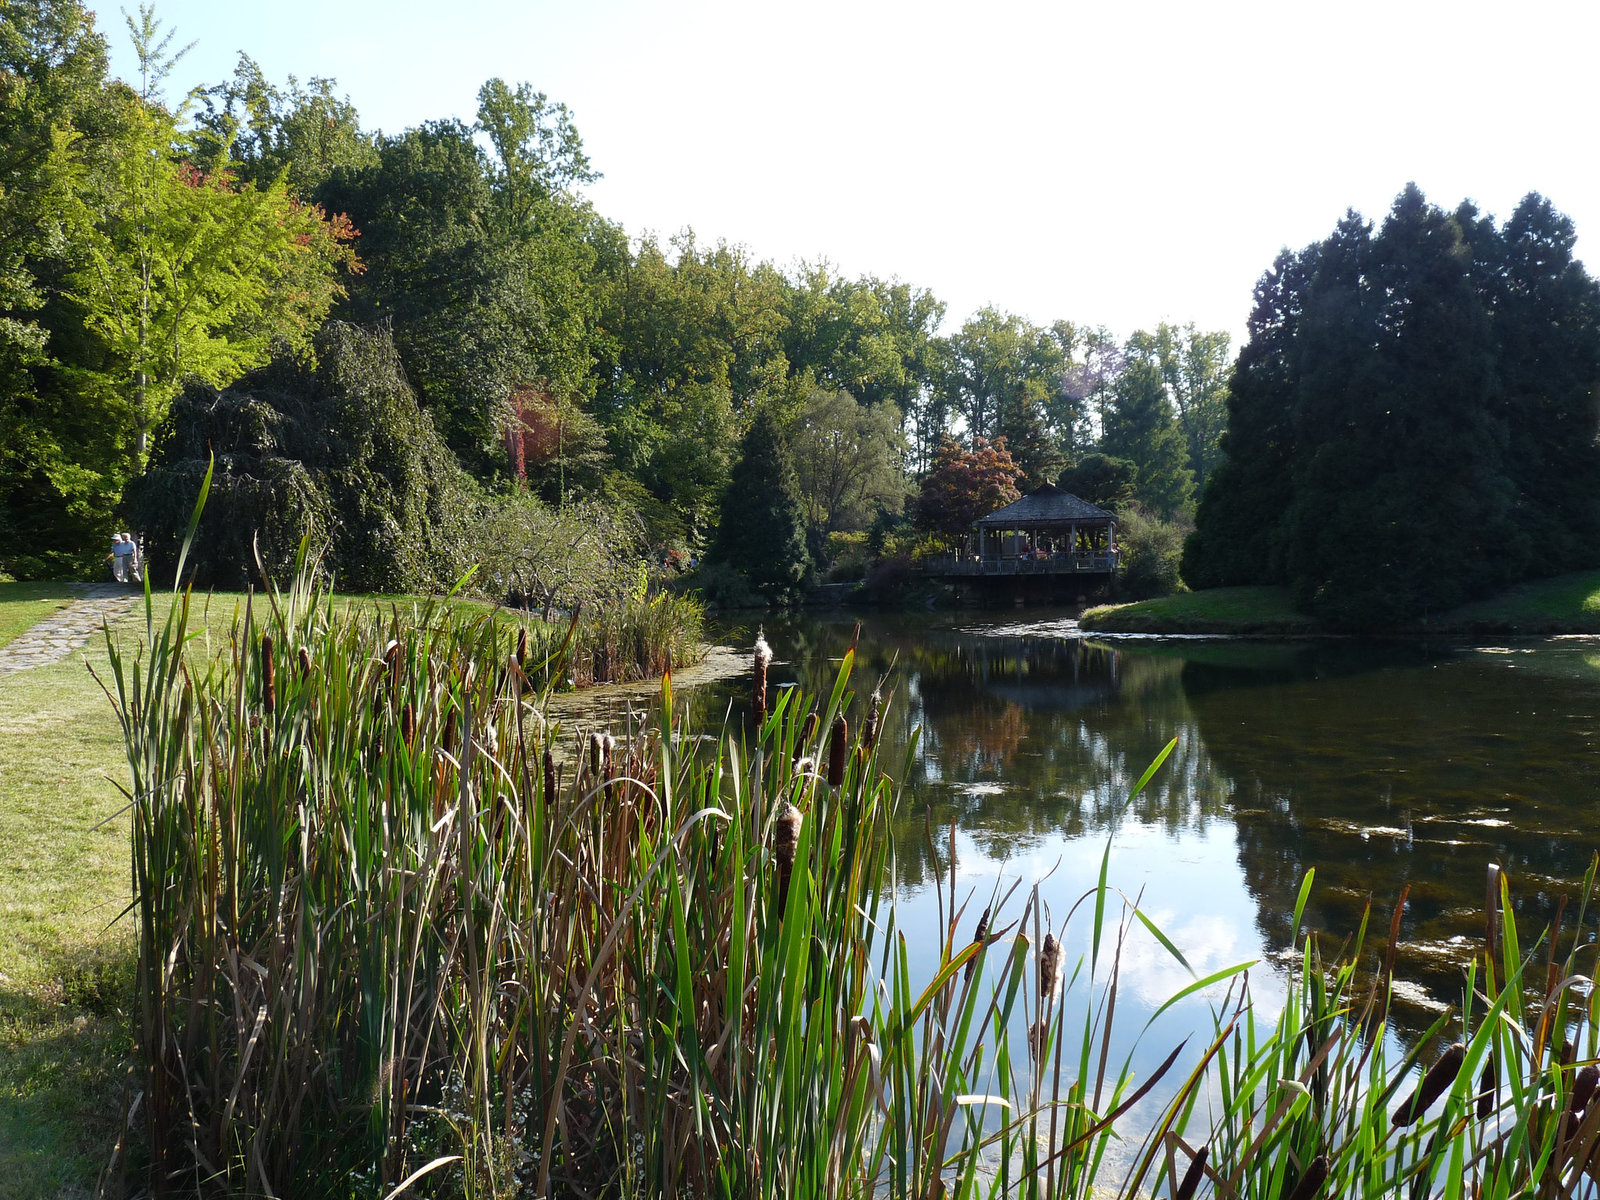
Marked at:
<point>1003,375</point>
<point>188,276</point>
<point>1194,369</point>
<point>848,460</point>
<point>541,557</point>
<point>1151,550</point>
<point>299,132</point>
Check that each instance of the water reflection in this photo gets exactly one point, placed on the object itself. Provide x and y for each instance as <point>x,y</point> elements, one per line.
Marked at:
<point>1377,766</point>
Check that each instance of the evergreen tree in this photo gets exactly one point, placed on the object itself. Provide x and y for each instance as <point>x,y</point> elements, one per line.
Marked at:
<point>1411,423</point>
<point>762,530</point>
<point>1238,537</point>
<point>1140,427</point>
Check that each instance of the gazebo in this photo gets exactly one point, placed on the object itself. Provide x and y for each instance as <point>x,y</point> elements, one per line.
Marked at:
<point>1046,532</point>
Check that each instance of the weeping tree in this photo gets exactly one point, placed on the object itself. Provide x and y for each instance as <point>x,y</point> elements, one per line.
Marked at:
<point>341,452</point>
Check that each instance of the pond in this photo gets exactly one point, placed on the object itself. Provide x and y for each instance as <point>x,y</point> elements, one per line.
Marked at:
<point>1380,766</point>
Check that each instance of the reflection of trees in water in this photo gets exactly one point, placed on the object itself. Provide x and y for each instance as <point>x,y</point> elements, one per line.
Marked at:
<point>1021,738</point>
<point>1417,774</point>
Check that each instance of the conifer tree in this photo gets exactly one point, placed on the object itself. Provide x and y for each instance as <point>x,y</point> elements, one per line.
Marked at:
<point>761,533</point>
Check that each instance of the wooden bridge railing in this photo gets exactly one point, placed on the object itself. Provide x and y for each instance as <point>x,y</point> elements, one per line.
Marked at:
<point>1055,564</point>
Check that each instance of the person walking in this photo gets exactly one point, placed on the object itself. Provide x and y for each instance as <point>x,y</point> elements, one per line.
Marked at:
<point>118,559</point>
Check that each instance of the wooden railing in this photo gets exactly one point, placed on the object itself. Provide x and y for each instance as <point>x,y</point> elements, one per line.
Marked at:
<point>1027,564</point>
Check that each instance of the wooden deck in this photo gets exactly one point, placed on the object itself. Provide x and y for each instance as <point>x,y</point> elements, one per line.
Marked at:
<point>966,565</point>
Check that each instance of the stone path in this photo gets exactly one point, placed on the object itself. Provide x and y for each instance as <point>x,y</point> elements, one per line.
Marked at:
<point>57,636</point>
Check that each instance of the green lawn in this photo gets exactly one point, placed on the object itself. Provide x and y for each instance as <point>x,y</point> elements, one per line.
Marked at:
<point>1260,610</point>
<point>65,957</point>
<point>23,605</point>
<point>1565,604</point>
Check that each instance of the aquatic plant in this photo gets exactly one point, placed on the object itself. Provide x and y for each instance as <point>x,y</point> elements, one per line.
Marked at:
<point>385,943</point>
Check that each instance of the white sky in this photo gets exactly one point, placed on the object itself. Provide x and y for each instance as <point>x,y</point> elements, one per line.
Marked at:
<point>1112,162</point>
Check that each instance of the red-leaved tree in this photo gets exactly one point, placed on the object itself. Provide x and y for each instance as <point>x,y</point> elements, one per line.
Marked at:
<point>965,485</point>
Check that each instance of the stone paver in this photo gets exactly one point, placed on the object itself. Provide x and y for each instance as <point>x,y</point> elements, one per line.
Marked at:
<point>55,637</point>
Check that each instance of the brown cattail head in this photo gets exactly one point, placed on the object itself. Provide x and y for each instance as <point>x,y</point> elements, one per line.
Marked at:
<point>596,752</point>
<point>758,692</point>
<point>269,676</point>
<point>1439,1077</point>
<point>305,663</point>
<point>785,838</point>
<point>522,646</point>
<point>549,777</point>
<point>449,739</point>
<point>977,940</point>
<point>809,729</point>
<point>1193,1176</point>
<point>869,731</point>
<point>1488,1089</point>
<point>1310,1185</point>
<point>838,747</point>
<point>1583,1089</point>
<point>391,659</point>
<point>1050,955</point>
<point>408,724</point>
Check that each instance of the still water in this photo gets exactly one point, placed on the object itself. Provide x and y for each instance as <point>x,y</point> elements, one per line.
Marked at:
<point>1378,766</point>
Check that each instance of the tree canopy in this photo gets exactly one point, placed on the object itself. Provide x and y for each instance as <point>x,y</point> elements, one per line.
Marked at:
<point>1411,422</point>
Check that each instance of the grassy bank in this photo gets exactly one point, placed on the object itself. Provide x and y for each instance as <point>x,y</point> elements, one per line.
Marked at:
<point>1565,604</point>
<point>1241,610</point>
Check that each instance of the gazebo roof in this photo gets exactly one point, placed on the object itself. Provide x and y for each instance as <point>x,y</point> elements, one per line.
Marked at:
<point>1049,505</point>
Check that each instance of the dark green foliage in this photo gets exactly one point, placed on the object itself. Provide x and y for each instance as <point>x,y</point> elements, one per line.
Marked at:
<point>481,274</point>
<point>1100,479</point>
<point>1411,423</point>
<point>342,453</point>
<point>762,531</point>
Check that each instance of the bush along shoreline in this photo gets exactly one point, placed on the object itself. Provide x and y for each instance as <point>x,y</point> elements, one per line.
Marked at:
<point>386,944</point>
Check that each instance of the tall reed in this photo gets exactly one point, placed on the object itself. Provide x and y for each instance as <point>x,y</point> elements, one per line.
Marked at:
<point>385,943</point>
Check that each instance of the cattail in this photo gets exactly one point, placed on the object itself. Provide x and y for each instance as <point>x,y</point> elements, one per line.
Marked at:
<point>809,729</point>
<point>1192,1177</point>
<point>596,752</point>
<point>408,724</point>
<point>758,693</point>
<point>305,663</point>
<point>838,747</point>
<point>977,940</point>
<point>269,676</point>
<point>1440,1076</point>
<point>1050,955</point>
<point>1311,1182</point>
<point>391,658</point>
<point>1488,1089</point>
<point>448,742</point>
<point>549,777</point>
<point>804,765</point>
<point>869,731</point>
<point>522,646</point>
<point>1583,1089</point>
<point>785,838</point>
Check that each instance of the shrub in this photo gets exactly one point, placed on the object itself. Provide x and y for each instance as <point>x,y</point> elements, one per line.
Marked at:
<point>1151,551</point>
